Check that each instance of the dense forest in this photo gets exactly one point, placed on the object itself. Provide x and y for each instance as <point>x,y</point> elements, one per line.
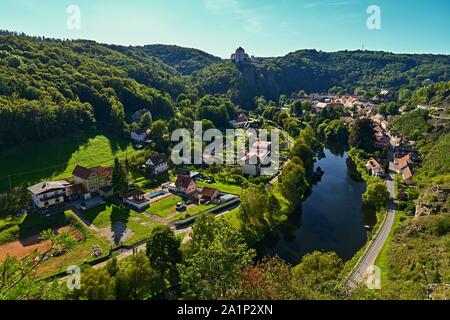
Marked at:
<point>51,87</point>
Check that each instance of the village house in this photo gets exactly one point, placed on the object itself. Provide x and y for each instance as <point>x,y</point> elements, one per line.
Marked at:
<point>185,185</point>
<point>137,116</point>
<point>407,175</point>
<point>140,135</point>
<point>382,141</point>
<point>209,195</point>
<point>385,125</point>
<point>136,199</point>
<point>374,168</point>
<point>319,106</point>
<point>403,166</point>
<point>96,180</point>
<point>378,119</point>
<point>403,109</point>
<point>242,121</point>
<point>46,194</point>
<point>256,158</point>
<point>156,164</point>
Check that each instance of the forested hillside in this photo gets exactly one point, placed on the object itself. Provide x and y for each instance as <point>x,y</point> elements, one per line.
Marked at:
<point>50,87</point>
<point>359,72</point>
<point>184,60</point>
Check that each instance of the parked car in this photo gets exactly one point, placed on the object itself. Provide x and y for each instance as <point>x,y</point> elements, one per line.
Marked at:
<point>181,206</point>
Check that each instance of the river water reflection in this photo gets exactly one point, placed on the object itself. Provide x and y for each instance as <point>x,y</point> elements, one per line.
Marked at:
<point>330,219</point>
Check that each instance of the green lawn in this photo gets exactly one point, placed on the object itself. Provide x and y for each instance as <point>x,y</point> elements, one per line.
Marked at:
<point>223,187</point>
<point>106,215</point>
<point>55,159</point>
<point>165,207</point>
<point>192,211</point>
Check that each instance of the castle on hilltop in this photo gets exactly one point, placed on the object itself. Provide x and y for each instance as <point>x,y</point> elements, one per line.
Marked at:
<point>240,56</point>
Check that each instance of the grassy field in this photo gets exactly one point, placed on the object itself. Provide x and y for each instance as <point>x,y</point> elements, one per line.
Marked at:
<point>107,215</point>
<point>27,227</point>
<point>192,211</point>
<point>165,207</point>
<point>76,255</point>
<point>56,159</point>
<point>223,187</point>
<point>17,228</point>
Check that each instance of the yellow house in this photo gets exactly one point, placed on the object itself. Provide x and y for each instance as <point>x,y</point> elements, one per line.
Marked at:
<point>93,180</point>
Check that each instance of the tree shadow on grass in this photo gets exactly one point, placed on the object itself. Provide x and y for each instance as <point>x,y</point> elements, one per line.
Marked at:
<point>119,221</point>
<point>116,142</point>
<point>34,223</point>
<point>93,213</point>
<point>31,163</point>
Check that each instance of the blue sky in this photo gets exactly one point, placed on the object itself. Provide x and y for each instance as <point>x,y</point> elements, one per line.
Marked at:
<point>262,27</point>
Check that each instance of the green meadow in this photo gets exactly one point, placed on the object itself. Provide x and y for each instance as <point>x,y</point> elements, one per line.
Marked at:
<point>56,159</point>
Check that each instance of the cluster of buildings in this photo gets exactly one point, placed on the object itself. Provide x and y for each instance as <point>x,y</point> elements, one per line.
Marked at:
<point>186,186</point>
<point>381,126</point>
<point>84,184</point>
<point>240,56</point>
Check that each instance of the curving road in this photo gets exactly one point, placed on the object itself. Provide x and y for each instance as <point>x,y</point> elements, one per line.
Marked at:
<point>359,272</point>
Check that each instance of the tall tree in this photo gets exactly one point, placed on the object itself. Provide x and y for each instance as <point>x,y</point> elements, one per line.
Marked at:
<point>376,195</point>
<point>318,276</point>
<point>119,178</point>
<point>361,135</point>
<point>163,250</point>
<point>292,182</point>
<point>213,271</point>
<point>137,280</point>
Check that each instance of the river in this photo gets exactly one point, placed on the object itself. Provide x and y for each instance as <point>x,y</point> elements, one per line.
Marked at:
<point>330,219</point>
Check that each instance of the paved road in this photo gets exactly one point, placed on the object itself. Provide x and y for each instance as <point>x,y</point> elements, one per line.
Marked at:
<point>359,273</point>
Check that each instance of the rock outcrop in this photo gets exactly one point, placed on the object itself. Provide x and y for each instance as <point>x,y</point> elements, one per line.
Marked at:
<point>433,201</point>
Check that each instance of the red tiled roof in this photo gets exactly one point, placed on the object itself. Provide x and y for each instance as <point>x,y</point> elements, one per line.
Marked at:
<point>81,172</point>
<point>208,192</point>
<point>374,163</point>
<point>84,173</point>
<point>104,171</point>
<point>183,181</point>
<point>403,162</point>
<point>407,174</point>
